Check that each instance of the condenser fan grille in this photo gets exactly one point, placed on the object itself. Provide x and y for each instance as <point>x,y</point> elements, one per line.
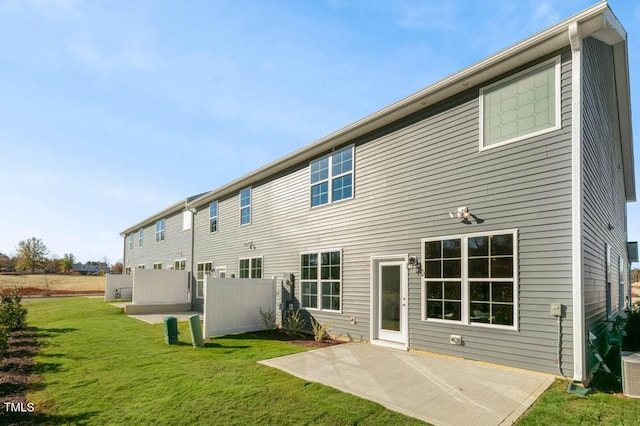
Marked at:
<point>631,374</point>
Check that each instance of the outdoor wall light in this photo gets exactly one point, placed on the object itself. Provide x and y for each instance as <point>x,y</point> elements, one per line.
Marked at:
<point>250,245</point>
<point>414,265</point>
<point>461,213</point>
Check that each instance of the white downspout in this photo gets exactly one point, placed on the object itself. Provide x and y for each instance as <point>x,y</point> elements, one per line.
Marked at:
<point>579,337</point>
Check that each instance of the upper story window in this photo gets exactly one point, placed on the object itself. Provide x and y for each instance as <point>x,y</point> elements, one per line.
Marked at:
<point>157,265</point>
<point>213,217</point>
<point>245,206</point>
<point>332,177</point>
<point>140,238</point>
<point>130,241</point>
<point>471,279</point>
<point>160,230</point>
<point>520,106</point>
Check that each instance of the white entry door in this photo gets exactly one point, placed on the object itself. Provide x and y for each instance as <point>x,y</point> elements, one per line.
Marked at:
<point>391,298</point>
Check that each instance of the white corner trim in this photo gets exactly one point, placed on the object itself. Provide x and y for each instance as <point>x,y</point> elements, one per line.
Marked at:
<point>579,336</point>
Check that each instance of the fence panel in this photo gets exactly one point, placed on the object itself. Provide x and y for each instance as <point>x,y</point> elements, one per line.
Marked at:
<point>232,305</point>
<point>160,286</point>
<point>118,287</point>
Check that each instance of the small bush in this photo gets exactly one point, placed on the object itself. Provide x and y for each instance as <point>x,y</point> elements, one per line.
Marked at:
<point>294,325</point>
<point>320,331</point>
<point>13,315</point>
<point>4,336</point>
<point>632,328</point>
<point>268,319</point>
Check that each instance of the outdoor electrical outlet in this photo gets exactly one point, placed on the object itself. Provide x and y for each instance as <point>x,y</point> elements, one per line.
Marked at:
<point>454,339</point>
<point>352,319</point>
<point>556,309</point>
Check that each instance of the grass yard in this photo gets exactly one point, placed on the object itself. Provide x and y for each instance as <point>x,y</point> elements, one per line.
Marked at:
<point>98,366</point>
<point>52,283</point>
<point>557,407</point>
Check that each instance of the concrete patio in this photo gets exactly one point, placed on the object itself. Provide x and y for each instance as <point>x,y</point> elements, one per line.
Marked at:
<point>158,318</point>
<point>437,389</point>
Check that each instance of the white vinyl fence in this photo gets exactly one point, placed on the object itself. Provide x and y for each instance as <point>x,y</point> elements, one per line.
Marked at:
<point>160,286</point>
<point>118,287</point>
<point>232,305</point>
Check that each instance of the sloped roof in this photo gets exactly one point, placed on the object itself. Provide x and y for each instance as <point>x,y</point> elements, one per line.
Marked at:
<point>597,21</point>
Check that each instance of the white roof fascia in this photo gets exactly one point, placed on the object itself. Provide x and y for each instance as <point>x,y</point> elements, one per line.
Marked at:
<point>179,206</point>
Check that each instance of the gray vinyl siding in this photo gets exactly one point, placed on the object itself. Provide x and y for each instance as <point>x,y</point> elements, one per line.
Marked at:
<point>524,185</point>
<point>176,245</point>
<point>407,177</point>
<point>603,190</point>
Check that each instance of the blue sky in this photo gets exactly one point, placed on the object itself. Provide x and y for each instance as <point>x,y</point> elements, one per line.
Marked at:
<point>112,111</point>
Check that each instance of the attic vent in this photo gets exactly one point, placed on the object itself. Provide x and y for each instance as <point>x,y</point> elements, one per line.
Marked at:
<point>631,374</point>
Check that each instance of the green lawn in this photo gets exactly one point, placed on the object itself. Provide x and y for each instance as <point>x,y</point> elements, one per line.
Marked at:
<point>98,366</point>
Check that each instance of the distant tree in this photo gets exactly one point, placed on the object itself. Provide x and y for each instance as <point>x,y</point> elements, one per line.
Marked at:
<point>32,254</point>
<point>52,264</point>
<point>5,261</point>
<point>67,261</point>
<point>635,275</point>
<point>117,268</point>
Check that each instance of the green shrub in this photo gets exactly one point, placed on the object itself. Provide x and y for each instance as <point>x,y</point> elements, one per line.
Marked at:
<point>13,315</point>
<point>4,336</point>
<point>632,329</point>
<point>320,331</point>
<point>268,319</point>
<point>294,325</point>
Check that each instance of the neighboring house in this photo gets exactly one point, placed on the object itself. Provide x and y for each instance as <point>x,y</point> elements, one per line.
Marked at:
<point>90,268</point>
<point>162,241</point>
<point>451,221</point>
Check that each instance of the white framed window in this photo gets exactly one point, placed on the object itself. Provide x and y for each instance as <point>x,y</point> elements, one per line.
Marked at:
<point>140,233</point>
<point>321,280</point>
<point>213,217</point>
<point>141,266</point>
<point>130,241</point>
<point>157,265</point>
<point>471,279</point>
<point>331,177</point>
<point>250,267</point>
<point>521,106</point>
<point>160,230</point>
<point>180,264</point>
<point>245,206</point>
<point>202,269</point>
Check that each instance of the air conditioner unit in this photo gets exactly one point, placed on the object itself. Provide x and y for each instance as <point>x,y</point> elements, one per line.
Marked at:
<point>631,374</point>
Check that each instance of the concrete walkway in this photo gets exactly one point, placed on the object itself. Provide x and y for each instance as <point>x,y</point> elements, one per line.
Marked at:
<point>159,318</point>
<point>437,389</point>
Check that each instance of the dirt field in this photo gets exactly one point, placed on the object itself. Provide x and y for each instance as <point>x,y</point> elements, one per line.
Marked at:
<point>52,284</point>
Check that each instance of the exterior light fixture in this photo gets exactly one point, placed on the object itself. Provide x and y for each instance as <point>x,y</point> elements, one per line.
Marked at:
<point>415,265</point>
<point>461,213</point>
